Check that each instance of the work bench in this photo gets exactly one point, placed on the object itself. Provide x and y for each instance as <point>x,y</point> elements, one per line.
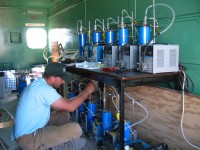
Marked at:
<point>121,79</point>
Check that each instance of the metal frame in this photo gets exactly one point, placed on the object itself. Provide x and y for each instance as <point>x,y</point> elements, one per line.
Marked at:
<point>121,79</point>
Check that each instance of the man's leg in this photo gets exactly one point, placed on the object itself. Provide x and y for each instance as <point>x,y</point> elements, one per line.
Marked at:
<point>59,118</point>
<point>50,136</point>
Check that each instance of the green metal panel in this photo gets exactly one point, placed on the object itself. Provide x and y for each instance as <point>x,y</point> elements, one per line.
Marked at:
<point>27,3</point>
<point>14,20</point>
<point>184,31</point>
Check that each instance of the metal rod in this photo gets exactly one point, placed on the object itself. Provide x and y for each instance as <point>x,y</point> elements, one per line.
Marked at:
<point>121,108</point>
<point>154,22</point>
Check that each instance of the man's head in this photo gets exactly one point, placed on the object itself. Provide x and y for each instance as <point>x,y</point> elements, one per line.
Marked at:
<point>56,69</point>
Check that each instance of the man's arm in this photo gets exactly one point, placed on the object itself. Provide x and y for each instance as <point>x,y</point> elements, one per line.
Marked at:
<point>71,105</point>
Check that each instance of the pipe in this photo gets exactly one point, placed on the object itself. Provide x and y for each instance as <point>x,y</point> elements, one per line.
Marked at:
<point>108,25</point>
<point>95,26</point>
<point>154,22</point>
<point>104,96</point>
<point>79,22</point>
<point>160,4</point>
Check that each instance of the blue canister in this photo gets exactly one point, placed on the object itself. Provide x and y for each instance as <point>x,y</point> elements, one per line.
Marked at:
<point>144,35</point>
<point>110,37</point>
<point>71,95</point>
<point>82,39</point>
<point>107,121</point>
<point>82,43</point>
<point>97,37</point>
<point>81,109</point>
<point>127,132</point>
<point>123,36</point>
<point>98,53</point>
<point>92,108</point>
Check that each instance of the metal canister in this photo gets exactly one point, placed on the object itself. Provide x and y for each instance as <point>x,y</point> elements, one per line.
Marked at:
<point>110,37</point>
<point>107,121</point>
<point>92,108</point>
<point>82,43</point>
<point>144,35</point>
<point>123,36</point>
<point>97,37</point>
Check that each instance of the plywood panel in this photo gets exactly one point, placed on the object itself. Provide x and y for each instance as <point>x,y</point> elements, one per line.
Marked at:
<point>164,121</point>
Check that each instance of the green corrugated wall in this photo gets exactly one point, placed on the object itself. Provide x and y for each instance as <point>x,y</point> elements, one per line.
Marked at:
<point>185,30</point>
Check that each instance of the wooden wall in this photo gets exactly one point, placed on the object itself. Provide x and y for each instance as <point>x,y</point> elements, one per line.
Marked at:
<point>163,124</point>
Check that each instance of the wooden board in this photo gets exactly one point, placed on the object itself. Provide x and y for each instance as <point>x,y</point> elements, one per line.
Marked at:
<point>163,124</point>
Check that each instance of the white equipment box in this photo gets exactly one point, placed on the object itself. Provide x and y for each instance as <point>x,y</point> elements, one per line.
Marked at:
<point>159,58</point>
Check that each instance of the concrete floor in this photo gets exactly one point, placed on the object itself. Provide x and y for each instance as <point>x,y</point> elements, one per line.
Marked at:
<point>10,103</point>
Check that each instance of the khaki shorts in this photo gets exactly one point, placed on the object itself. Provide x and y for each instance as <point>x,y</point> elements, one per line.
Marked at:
<point>59,130</point>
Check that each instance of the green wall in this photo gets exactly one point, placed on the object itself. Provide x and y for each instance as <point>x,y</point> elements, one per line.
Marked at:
<point>13,20</point>
<point>185,30</point>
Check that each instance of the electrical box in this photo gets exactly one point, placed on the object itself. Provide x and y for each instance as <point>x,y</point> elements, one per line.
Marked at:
<point>111,55</point>
<point>128,56</point>
<point>159,58</point>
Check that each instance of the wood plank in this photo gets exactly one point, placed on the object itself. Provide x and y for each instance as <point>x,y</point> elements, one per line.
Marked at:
<point>164,121</point>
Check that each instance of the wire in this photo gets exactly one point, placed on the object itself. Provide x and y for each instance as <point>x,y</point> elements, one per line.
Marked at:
<point>140,106</point>
<point>9,113</point>
<point>183,111</point>
<point>188,80</point>
<point>160,4</point>
<point>93,114</point>
<point>45,52</point>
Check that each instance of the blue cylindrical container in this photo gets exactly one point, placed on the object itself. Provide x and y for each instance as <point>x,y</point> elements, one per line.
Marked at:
<point>89,51</point>
<point>97,37</point>
<point>71,95</point>
<point>110,37</point>
<point>144,35</point>
<point>81,51</point>
<point>92,109</point>
<point>99,53</point>
<point>81,109</point>
<point>127,132</point>
<point>107,121</point>
<point>82,39</point>
<point>82,43</point>
<point>32,79</point>
<point>123,36</point>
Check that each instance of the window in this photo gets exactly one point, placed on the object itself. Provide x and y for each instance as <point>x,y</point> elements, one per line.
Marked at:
<point>36,38</point>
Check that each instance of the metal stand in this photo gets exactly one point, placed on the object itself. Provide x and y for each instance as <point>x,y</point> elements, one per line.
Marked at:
<point>121,79</point>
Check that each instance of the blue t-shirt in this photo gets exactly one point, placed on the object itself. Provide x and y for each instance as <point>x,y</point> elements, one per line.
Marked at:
<point>33,110</point>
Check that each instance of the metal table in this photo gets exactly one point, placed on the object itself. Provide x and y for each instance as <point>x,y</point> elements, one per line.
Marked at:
<point>121,79</point>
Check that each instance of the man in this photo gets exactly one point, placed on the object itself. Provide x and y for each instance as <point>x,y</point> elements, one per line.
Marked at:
<point>36,126</point>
